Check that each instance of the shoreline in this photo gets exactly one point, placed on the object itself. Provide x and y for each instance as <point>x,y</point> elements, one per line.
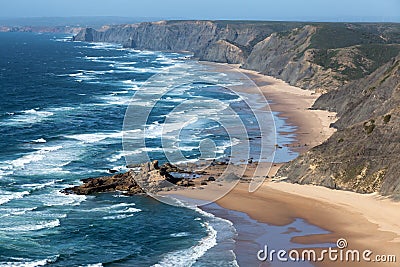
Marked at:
<point>343,214</point>
<point>292,105</point>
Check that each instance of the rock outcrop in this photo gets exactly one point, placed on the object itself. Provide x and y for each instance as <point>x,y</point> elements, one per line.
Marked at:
<point>147,177</point>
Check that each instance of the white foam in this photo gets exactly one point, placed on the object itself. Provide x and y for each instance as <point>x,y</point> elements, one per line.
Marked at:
<point>6,212</point>
<point>122,154</point>
<point>27,262</point>
<point>115,100</point>
<point>40,140</point>
<point>104,46</point>
<point>129,210</point>
<point>164,60</point>
<point>116,208</point>
<point>40,186</point>
<point>75,74</point>
<point>175,99</point>
<point>48,158</point>
<point>117,156</point>
<point>188,257</point>
<point>129,82</point>
<point>117,217</point>
<point>146,52</point>
<point>228,143</point>
<point>6,196</point>
<point>5,170</point>
<point>182,234</point>
<point>95,137</point>
<point>30,116</point>
<point>38,155</point>
<point>56,198</point>
<point>33,227</point>
<point>118,196</point>
<point>88,75</point>
<point>156,130</point>
<point>120,168</point>
<point>65,39</point>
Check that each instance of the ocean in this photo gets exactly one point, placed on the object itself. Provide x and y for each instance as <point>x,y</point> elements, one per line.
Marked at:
<point>62,120</point>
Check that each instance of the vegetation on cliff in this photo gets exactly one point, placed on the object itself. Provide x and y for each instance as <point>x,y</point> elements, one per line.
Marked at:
<point>363,155</point>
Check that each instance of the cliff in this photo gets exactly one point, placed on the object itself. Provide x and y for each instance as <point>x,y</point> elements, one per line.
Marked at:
<point>42,29</point>
<point>309,55</point>
<point>356,65</point>
<point>363,155</point>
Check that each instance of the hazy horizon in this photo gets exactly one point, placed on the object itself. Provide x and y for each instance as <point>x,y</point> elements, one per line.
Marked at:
<point>103,20</point>
<point>283,10</point>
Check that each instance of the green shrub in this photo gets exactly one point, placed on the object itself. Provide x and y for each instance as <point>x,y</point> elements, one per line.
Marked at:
<point>369,126</point>
<point>387,118</point>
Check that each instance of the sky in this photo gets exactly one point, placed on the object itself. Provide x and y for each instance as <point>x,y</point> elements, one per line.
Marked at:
<point>311,10</point>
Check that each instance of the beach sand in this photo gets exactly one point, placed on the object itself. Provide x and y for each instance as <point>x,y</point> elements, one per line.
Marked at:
<point>365,221</point>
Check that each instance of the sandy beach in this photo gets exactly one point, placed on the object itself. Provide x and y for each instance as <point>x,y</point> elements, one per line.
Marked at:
<point>366,221</point>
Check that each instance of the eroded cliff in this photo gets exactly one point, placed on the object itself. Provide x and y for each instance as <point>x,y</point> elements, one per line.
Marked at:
<point>363,155</point>
<point>309,55</point>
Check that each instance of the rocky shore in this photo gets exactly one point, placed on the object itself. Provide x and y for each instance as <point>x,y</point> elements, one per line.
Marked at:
<point>143,178</point>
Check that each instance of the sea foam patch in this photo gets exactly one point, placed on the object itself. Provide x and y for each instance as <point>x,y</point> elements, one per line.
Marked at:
<point>187,257</point>
<point>33,227</point>
<point>43,160</point>
<point>7,196</point>
<point>30,116</point>
<point>22,262</point>
<point>95,137</point>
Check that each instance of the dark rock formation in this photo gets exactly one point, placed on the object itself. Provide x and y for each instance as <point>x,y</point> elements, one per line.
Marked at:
<point>150,178</point>
<point>119,182</point>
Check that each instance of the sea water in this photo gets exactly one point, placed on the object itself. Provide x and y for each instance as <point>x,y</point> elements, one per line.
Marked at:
<point>61,119</point>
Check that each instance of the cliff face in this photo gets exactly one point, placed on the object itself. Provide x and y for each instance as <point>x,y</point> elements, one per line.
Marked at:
<point>363,155</point>
<point>372,96</point>
<point>287,56</point>
<point>311,56</point>
<point>221,42</point>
